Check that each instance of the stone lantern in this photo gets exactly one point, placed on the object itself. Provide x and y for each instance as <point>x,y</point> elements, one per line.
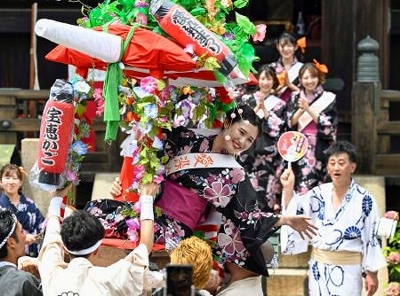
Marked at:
<point>368,62</point>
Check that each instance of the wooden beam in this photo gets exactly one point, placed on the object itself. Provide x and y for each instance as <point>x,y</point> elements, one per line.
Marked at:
<point>388,128</point>
<point>387,164</point>
<point>25,93</point>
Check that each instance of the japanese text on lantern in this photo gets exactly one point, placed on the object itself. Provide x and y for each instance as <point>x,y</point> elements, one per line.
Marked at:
<point>196,31</point>
<point>51,138</point>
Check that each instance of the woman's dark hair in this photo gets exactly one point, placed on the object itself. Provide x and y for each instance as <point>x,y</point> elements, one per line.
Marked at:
<point>6,224</point>
<point>286,38</point>
<point>243,112</point>
<point>314,71</point>
<point>81,230</point>
<point>342,147</point>
<point>269,72</point>
<point>9,169</point>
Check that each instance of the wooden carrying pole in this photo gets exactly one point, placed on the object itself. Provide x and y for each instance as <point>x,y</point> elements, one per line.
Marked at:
<point>33,68</point>
<point>33,77</point>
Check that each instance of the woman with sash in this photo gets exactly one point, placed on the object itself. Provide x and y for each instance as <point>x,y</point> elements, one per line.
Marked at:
<point>312,111</point>
<point>287,66</point>
<point>262,161</point>
<point>203,176</point>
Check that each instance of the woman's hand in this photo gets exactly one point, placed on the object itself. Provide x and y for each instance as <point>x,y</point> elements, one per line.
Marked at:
<point>302,225</point>
<point>303,104</point>
<point>261,106</point>
<point>116,187</point>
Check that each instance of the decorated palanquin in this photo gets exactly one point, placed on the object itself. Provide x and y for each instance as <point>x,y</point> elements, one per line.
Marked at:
<point>157,54</point>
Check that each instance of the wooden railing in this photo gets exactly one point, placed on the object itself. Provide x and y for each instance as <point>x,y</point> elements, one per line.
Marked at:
<point>373,131</point>
<point>20,112</point>
<point>387,162</point>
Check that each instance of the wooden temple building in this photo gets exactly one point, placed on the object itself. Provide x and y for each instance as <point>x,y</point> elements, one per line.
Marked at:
<point>358,40</point>
<point>333,30</point>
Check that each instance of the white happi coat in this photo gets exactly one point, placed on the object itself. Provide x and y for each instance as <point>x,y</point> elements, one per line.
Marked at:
<point>125,277</point>
<point>350,228</point>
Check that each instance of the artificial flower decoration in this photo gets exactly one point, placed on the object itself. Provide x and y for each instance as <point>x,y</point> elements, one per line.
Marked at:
<point>260,34</point>
<point>211,13</point>
<point>392,289</point>
<point>392,254</point>
<point>148,107</point>
<point>83,91</point>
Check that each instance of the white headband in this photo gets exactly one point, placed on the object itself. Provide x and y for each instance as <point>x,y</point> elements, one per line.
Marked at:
<point>86,251</point>
<point>11,231</point>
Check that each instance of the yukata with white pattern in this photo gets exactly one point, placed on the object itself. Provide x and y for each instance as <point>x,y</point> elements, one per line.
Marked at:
<point>29,215</point>
<point>350,228</point>
<point>244,226</point>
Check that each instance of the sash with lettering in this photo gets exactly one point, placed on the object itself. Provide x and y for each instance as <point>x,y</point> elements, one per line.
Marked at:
<point>293,73</point>
<point>176,199</point>
<point>318,106</point>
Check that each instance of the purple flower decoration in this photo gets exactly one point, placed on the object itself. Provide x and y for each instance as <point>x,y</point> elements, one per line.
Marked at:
<point>151,111</point>
<point>141,93</point>
<point>79,147</point>
<point>228,36</point>
<point>141,3</point>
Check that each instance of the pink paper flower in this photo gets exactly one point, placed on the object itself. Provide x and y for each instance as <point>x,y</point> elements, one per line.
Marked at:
<point>139,171</point>
<point>149,84</point>
<point>392,215</point>
<point>260,35</point>
<point>133,227</point>
<point>393,258</point>
<point>141,19</point>
<point>158,179</point>
<point>393,289</point>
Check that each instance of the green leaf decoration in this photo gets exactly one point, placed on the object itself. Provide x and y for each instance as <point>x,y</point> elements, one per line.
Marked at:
<point>244,23</point>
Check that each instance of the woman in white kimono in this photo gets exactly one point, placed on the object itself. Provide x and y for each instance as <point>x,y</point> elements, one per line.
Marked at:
<point>346,246</point>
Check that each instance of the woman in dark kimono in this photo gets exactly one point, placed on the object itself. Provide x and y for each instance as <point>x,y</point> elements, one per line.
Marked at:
<point>244,228</point>
<point>312,111</point>
<point>217,182</point>
<point>262,161</point>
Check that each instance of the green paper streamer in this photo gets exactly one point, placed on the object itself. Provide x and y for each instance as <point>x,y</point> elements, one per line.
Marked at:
<point>110,89</point>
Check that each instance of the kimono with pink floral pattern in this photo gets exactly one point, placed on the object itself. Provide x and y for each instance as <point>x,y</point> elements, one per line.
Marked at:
<point>262,161</point>
<point>310,171</point>
<point>244,226</point>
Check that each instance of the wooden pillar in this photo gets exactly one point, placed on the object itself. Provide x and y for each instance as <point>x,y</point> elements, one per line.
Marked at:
<point>365,106</point>
<point>344,24</point>
<point>364,125</point>
<point>8,112</point>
